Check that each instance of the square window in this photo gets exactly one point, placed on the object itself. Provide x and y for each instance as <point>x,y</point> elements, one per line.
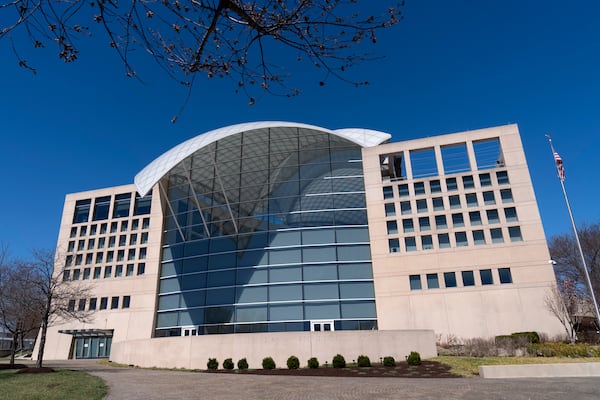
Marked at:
<point>388,192</point>
<point>141,269</point>
<point>426,242</point>
<point>394,245</point>
<point>410,243</point>
<point>502,177</point>
<point>433,281</point>
<point>488,198</point>
<point>392,227</point>
<point>505,275</point>
<point>468,278</point>
<point>471,199</point>
<point>415,282</point>
<point>408,225</point>
<point>510,214</point>
<point>444,240</point>
<point>114,302</point>
<point>461,239</point>
<point>422,206</point>
<point>424,224</point>
<point>492,217</point>
<point>438,204</point>
<point>485,180</point>
<point>435,186</point>
<point>449,279</point>
<point>514,232</point>
<point>475,218</point>
<point>496,234</point>
<point>403,190</point>
<point>405,207</point>
<point>390,210</point>
<point>506,195</point>
<point>419,188</point>
<point>440,222</point>
<point>454,202</point>
<point>458,220</point>
<point>478,237</point>
<point>451,184</point>
<point>468,182</point>
<point>486,277</point>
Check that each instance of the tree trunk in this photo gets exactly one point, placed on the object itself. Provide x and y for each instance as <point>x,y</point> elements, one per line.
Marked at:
<point>40,356</point>
<point>13,349</point>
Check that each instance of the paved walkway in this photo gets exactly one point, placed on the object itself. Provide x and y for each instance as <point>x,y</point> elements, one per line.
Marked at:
<point>144,384</point>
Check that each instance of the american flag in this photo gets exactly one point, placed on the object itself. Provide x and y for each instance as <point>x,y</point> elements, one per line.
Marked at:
<point>560,169</point>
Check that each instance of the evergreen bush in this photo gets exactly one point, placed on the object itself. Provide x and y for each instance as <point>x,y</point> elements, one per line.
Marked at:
<point>389,361</point>
<point>228,363</point>
<point>242,364</point>
<point>363,361</point>
<point>212,363</point>
<point>293,362</point>
<point>339,361</point>
<point>413,358</point>
<point>313,363</point>
<point>268,363</point>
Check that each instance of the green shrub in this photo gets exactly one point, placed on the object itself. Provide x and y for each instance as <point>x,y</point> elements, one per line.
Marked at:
<point>553,349</point>
<point>242,364</point>
<point>413,358</point>
<point>228,363</point>
<point>363,361</point>
<point>503,340</point>
<point>268,363</point>
<point>339,361</point>
<point>313,362</point>
<point>212,363</point>
<point>389,361</point>
<point>293,362</point>
<point>531,337</point>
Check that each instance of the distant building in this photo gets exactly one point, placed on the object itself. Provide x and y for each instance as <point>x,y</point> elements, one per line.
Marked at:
<point>276,238</point>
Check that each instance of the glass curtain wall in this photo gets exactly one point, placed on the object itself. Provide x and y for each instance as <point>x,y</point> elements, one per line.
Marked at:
<point>266,231</point>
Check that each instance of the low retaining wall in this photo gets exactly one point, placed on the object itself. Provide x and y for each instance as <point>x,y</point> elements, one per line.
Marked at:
<point>192,352</point>
<point>540,370</point>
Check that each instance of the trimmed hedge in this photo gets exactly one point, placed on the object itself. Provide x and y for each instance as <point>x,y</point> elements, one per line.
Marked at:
<point>339,361</point>
<point>389,361</point>
<point>363,361</point>
<point>228,363</point>
<point>313,363</point>
<point>553,349</point>
<point>212,363</point>
<point>293,362</point>
<point>242,364</point>
<point>268,363</point>
<point>413,358</point>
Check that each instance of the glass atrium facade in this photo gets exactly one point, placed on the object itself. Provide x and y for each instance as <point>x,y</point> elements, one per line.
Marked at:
<point>266,231</point>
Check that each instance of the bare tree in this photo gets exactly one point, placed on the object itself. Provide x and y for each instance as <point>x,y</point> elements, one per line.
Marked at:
<point>568,268</point>
<point>59,295</point>
<point>568,306</point>
<point>219,38</point>
<point>21,302</point>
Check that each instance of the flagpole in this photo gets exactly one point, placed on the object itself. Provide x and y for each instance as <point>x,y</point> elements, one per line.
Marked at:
<point>561,178</point>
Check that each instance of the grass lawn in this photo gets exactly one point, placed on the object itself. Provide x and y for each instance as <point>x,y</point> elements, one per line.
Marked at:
<point>468,366</point>
<point>60,385</point>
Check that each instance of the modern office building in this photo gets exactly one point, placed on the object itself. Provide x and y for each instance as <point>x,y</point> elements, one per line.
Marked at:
<point>276,238</point>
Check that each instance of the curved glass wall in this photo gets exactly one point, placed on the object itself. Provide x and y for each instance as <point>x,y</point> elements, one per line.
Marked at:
<point>266,230</point>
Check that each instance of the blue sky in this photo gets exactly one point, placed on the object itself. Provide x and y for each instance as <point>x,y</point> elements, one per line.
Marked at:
<point>449,67</point>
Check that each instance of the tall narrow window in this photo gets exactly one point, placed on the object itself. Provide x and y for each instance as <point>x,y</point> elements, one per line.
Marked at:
<point>392,227</point>
<point>408,225</point>
<point>82,211</point>
<point>126,301</point>
<point>122,205</point>
<point>142,204</point>
<point>394,245</point>
<point>101,207</point>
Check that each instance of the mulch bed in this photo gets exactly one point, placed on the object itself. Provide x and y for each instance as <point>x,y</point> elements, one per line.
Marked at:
<point>427,369</point>
<point>14,366</point>
<point>33,370</point>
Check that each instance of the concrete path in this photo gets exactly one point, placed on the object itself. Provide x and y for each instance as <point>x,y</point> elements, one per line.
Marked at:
<point>143,384</point>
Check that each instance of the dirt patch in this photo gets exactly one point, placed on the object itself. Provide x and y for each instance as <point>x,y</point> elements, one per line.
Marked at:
<point>427,369</point>
<point>43,370</point>
<point>14,366</point>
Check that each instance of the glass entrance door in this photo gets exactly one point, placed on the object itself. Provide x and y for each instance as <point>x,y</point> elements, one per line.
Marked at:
<point>93,346</point>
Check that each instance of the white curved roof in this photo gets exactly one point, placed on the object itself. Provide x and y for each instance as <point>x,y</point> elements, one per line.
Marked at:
<point>154,171</point>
